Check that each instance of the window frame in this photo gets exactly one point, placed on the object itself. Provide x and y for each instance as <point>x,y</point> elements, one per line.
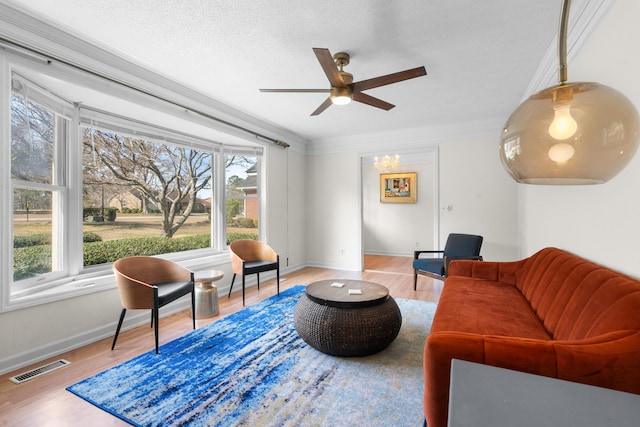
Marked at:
<point>59,185</point>
<point>78,279</point>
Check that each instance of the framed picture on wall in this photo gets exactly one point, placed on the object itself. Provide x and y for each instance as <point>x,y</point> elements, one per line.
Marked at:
<point>398,187</point>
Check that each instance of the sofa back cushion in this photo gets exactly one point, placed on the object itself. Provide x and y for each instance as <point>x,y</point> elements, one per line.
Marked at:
<point>577,299</point>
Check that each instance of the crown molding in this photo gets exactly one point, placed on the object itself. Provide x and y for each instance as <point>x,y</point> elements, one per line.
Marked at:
<point>411,139</point>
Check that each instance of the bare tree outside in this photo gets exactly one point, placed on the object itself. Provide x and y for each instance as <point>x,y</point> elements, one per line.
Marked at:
<point>167,177</point>
<point>32,129</point>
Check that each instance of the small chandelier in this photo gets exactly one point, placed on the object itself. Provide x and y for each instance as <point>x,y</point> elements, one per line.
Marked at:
<point>571,133</point>
<point>387,163</point>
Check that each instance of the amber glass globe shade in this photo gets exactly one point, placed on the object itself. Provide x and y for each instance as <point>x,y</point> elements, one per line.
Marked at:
<point>572,133</point>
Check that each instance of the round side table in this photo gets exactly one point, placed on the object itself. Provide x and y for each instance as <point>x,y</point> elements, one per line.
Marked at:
<point>206,293</point>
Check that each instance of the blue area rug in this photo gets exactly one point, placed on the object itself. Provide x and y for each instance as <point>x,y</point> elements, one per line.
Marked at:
<point>251,368</point>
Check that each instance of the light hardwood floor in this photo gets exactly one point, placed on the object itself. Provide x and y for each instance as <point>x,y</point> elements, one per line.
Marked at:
<point>43,401</point>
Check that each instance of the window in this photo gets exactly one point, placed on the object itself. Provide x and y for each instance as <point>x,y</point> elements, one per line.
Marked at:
<point>89,186</point>
<point>143,197</point>
<point>242,197</point>
<point>38,179</point>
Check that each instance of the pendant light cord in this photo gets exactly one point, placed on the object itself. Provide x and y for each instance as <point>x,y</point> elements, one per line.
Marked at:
<point>562,41</point>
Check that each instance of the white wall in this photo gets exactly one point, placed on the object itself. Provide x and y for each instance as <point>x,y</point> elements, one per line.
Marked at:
<point>399,228</point>
<point>599,222</point>
<point>297,204</point>
<point>471,179</point>
<point>274,199</point>
<point>477,196</point>
<point>285,190</point>
<point>333,211</point>
<point>36,332</point>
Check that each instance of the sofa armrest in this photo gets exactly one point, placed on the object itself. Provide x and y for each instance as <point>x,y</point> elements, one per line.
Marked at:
<point>609,360</point>
<point>449,259</point>
<point>506,272</point>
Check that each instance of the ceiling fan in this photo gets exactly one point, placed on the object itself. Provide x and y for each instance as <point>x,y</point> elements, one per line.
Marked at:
<point>343,90</point>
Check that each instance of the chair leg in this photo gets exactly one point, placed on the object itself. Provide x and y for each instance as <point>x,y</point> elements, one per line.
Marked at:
<point>278,279</point>
<point>415,279</point>
<point>243,276</point>
<point>151,319</point>
<point>258,279</point>
<point>233,279</point>
<point>193,307</point>
<point>156,315</point>
<point>115,338</point>
<point>155,330</point>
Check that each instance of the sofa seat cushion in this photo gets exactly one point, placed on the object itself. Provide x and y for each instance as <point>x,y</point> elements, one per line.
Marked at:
<point>486,308</point>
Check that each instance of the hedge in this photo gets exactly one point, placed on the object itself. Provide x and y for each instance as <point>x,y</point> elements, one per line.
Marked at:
<point>109,213</point>
<point>246,222</point>
<point>29,261</point>
<point>232,237</point>
<point>32,240</point>
<point>111,250</point>
<point>45,239</point>
<point>90,236</point>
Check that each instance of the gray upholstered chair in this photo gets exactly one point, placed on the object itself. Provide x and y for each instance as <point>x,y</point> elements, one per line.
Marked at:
<point>252,257</point>
<point>458,246</point>
<point>146,282</point>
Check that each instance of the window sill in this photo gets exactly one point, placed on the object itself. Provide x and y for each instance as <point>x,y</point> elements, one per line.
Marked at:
<point>102,280</point>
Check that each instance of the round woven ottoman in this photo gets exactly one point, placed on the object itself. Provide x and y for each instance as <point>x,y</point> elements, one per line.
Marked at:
<point>335,319</point>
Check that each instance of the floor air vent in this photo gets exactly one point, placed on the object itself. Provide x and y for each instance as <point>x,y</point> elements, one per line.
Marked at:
<point>26,376</point>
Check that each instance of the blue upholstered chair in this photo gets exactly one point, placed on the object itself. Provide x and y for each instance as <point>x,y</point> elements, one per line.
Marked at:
<point>458,246</point>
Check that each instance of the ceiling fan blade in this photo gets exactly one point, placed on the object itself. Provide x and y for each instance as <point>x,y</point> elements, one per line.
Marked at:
<point>326,104</point>
<point>370,100</point>
<point>329,66</point>
<point>389,78</point>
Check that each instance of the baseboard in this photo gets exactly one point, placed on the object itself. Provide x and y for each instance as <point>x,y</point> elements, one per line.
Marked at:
<point>55,348</point>
<point>400,254</point>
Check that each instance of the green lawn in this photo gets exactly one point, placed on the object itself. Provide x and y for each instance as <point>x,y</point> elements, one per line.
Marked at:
<point>125,226</point>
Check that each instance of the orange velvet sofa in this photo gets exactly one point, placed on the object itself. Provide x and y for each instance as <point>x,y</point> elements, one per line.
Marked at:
<point>552,314</point>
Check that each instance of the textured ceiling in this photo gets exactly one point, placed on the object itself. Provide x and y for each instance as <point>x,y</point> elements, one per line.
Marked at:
<point>480,55</point>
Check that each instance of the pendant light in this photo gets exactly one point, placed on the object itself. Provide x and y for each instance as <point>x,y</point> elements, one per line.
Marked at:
<point>571,133</point>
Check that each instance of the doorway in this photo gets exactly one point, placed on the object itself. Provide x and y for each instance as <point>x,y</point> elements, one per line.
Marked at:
<point>397,229</point>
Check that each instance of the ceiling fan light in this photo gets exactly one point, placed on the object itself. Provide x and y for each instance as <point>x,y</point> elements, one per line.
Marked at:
<point>341,95</point>
<point>341,100</point>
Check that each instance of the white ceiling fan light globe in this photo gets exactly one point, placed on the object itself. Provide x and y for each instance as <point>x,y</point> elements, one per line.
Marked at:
<point>341,100</point>
<point>341,95</point>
